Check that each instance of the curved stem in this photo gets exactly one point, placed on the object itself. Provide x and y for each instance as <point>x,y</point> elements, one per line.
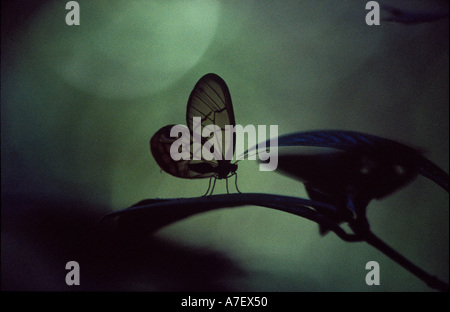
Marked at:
<point>430,280</point>
<point>152,214</point>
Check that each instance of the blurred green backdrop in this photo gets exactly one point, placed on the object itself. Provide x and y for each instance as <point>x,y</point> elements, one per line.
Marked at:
<point>79,105</point>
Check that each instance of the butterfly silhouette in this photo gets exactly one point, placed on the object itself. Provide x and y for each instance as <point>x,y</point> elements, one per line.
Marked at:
<point>211,101</point>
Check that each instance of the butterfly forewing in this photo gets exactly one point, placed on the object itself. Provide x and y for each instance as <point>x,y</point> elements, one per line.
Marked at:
<point>211,101</point>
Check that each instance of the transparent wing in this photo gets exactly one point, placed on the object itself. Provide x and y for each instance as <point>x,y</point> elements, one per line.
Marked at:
<point>211,101</point>
<point>160,145</point>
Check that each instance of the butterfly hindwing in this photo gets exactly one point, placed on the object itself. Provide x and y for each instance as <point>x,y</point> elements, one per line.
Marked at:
<point>160,145</point>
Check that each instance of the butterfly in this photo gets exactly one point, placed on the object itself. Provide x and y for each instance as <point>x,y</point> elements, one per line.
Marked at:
<point>211,101</point>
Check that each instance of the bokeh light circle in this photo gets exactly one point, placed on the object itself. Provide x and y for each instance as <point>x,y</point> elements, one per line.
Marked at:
<point>126,49</point>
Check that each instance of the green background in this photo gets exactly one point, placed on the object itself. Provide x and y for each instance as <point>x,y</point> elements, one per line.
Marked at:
<point>79,105</point>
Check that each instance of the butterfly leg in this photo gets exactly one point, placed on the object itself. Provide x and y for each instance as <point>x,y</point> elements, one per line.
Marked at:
<point>209,186</point>
<point>214,185</point>
<point>235,183</point>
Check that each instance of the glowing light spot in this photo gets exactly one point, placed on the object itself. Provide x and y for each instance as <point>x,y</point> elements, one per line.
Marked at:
<point>127,49</point>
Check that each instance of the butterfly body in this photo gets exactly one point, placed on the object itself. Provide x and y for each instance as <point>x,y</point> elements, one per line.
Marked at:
<point>223,170</point>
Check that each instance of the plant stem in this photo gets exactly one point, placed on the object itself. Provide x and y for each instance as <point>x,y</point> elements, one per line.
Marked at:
<point>152,214</point>
<point>430,280</point>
